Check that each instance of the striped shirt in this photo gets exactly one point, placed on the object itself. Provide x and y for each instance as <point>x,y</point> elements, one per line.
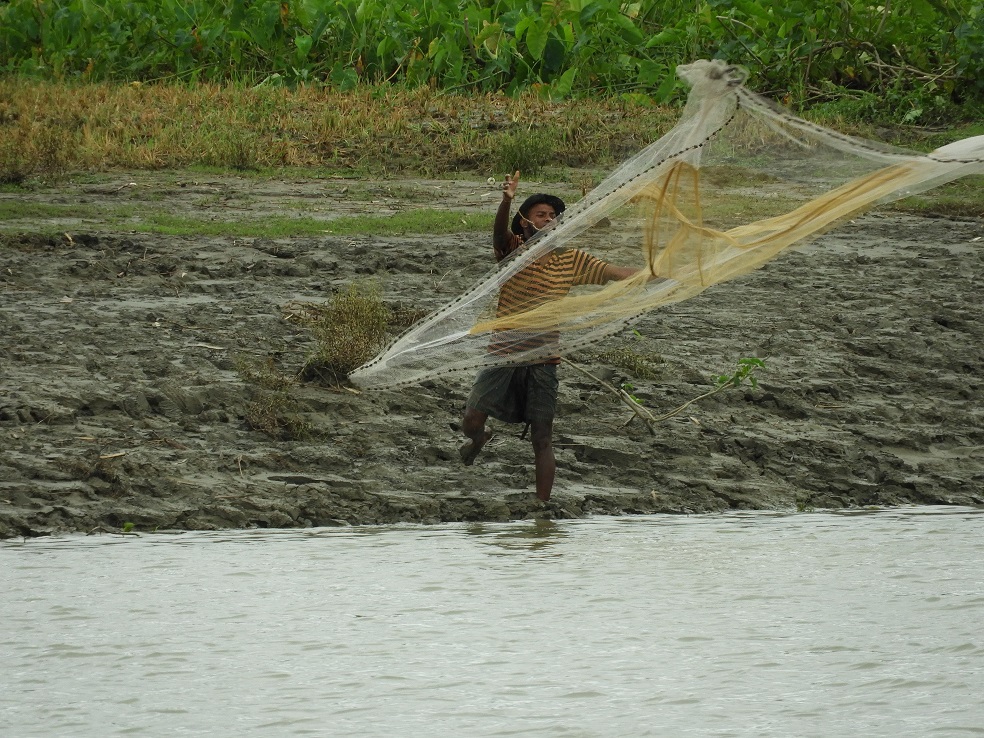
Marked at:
<point>544,280</point>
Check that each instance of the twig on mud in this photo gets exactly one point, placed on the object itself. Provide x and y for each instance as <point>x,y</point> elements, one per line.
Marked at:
<point>158,438</point>
<point>647,417</point>
<point>745,370</point>
<point>437,285</point>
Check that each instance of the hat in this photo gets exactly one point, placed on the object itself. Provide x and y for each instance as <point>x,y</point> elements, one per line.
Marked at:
<point>552,200</point>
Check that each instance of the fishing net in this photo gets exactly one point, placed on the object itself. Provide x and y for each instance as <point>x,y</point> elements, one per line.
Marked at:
<point>734,183</point>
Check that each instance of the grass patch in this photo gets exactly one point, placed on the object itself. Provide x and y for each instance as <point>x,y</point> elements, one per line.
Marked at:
<point>964,197</point>
<point>27,209</point>
<point>529,151</point>
<point>732,209</point>
<point>349,330</point>
<point>418,221</point>
<point>139,218</point>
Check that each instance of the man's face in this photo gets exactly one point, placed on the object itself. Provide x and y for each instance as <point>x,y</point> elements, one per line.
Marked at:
<point>540,214</point>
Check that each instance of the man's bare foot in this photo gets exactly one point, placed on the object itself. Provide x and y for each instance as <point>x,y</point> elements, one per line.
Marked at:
<point>470,450</point>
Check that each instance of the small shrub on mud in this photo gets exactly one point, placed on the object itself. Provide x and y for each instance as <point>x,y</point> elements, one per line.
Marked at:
<point>278,415</point>
<point>349,330</point>
<point>272,409</point>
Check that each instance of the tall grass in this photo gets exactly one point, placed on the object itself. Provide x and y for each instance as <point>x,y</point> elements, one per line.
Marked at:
<point>48,127</point>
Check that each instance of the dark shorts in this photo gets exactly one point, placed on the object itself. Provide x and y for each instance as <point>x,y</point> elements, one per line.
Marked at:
<point>516,394</point>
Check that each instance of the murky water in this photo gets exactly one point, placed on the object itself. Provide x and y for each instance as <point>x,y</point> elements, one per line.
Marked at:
<point>864,624</point>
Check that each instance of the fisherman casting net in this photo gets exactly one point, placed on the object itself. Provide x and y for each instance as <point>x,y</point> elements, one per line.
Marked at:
<point>678,211</point>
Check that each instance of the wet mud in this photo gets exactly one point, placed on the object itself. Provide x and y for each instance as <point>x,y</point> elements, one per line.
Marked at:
<point>124,403</point>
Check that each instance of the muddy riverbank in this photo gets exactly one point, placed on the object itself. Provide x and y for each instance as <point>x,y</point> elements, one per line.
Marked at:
<point>123,399</point>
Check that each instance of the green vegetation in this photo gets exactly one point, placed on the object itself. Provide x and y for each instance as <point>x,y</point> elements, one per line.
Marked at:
<point>917,59</point>
<point>141,218</point>
<point>744,371</point>
<point>380,88</point>
<point>965,197</point>
<point>424,220</point>
<point>418,221</point>
<point>349,329</point>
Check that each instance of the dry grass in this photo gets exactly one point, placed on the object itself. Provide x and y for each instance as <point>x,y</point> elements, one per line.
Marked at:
<point>47,128</point>
<point>264,374</point>
<point>278,415</point>
<point>349,329</point>
<point>272,409</point>
<point>641,365</point>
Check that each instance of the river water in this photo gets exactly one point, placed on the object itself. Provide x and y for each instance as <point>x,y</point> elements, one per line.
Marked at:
<point>742,624</point>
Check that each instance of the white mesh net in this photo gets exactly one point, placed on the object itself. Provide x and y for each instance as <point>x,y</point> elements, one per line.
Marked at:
<point>734,183</point>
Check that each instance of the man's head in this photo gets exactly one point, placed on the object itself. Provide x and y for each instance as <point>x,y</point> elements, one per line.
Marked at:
<point>535,212</point>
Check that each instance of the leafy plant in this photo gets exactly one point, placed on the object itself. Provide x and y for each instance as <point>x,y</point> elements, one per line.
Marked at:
<point>801,50</point>
<point>628,388</point>
<point>745,370</point>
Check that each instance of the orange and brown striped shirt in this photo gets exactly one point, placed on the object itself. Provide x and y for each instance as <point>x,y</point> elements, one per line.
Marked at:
<point>544,280</point>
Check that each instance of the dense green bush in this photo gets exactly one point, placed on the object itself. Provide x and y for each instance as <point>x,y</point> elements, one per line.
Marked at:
<point>909,61</point>
<point>922,56</point>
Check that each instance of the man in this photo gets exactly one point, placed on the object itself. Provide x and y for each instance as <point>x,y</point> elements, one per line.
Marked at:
<point>528,393</point>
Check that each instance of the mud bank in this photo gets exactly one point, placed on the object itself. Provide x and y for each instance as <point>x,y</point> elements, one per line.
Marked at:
<point>122,398</point>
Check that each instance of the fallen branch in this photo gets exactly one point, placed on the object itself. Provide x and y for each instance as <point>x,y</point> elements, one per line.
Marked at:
<point>640,412</point>
<point>745,370</point>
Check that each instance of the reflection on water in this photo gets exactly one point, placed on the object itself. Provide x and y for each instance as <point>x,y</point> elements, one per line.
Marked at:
<point>533,536</point>
<point>746,624</point>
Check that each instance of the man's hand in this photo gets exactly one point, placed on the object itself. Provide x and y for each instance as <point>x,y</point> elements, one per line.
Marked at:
<point>510,185</point>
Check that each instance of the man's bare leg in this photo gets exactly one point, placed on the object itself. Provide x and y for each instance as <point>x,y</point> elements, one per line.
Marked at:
<point>543,458</point>
<point>473,426</point>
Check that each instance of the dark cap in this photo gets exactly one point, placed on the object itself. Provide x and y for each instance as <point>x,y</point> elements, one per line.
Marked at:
<point>540,198</point>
